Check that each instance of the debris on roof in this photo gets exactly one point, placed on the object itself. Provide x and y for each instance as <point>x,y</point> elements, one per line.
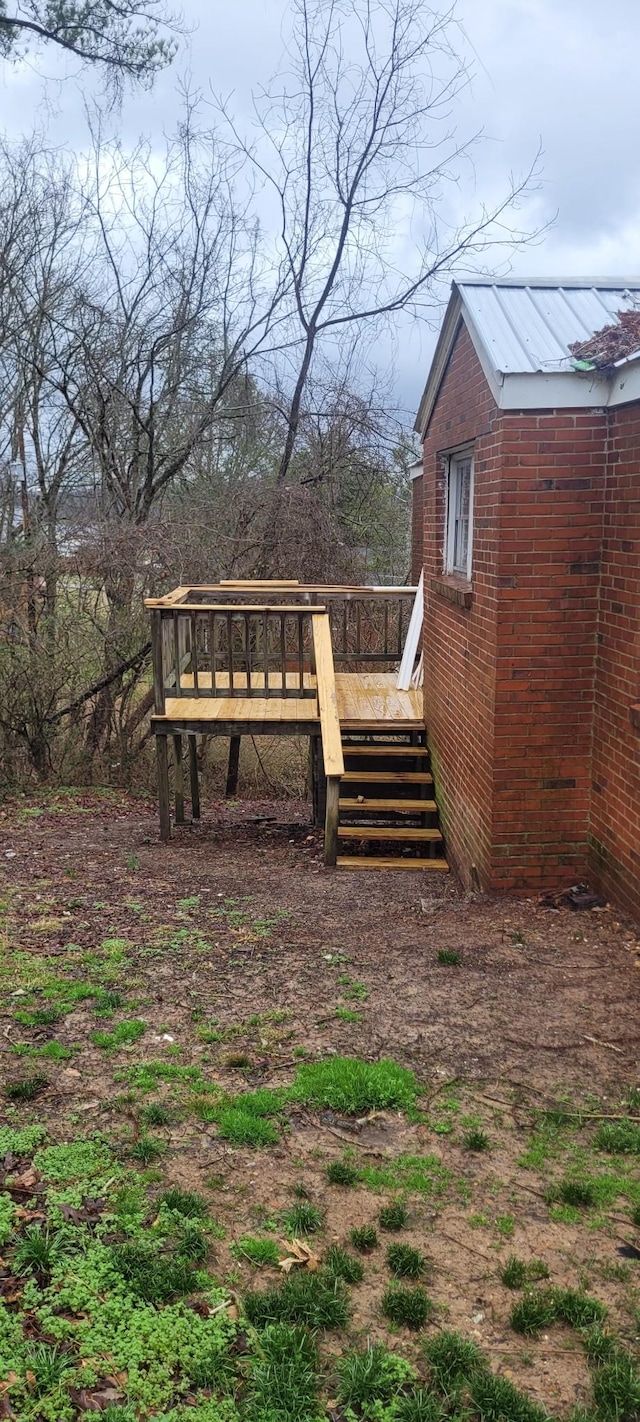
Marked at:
<point>612,343</point>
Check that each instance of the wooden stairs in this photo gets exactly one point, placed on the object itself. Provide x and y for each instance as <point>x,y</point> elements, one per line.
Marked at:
<point>387,816</point>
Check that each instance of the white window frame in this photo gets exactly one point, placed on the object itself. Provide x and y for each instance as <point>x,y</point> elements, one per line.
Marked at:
<point>455,473</point>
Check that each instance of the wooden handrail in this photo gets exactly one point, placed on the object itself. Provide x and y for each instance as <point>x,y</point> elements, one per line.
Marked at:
<point>327,699</point>
<point>177,609</point>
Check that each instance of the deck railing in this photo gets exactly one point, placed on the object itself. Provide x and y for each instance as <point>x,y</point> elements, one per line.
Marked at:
<point>228,640</point>
<point>231,650</point>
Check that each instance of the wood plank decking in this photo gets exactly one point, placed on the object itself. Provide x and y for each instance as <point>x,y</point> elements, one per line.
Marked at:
<point>362,697</point>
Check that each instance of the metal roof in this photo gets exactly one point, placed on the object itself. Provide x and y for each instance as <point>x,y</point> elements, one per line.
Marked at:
<point>528,327</point>
<point>522,331</point>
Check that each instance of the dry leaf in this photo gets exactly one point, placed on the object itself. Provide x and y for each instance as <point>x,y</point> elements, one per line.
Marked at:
<point>299,1253</point>
<point>10,1379</point>
<point>233,1312</point>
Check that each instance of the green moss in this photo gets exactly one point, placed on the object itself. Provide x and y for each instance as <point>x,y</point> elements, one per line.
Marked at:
<point>352,1086</point>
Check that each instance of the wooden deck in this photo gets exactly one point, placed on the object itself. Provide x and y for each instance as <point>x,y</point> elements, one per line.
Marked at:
<point>362,697</point>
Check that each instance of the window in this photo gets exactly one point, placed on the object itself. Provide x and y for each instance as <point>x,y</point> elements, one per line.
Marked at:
<point>459,516</point>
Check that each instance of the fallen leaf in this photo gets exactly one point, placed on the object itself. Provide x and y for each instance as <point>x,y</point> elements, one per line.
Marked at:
<point>8,1382</point>
<point>299,1253</point>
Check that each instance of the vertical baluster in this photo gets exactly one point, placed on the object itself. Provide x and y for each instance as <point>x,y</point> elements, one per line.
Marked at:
<point>283,652</point>
<point>212,650</point>
<point>358,626</point>
<point>194,653</point>
<point>265,651</point>
<point>230,651</point>
<point>400,605</point>
<point>176,652</point>
<point>156,654</point>
<point>344,625</point>
<point>247,643</point>
<point>301,623</point>
<point>386,628</point>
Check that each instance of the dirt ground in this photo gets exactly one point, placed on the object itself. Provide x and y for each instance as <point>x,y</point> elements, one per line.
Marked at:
<point>244,954</point>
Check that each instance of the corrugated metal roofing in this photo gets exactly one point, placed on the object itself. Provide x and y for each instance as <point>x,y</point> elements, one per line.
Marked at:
<point>525,328</point>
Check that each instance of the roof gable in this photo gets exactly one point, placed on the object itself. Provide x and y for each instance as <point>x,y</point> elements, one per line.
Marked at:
<point>522,332</point>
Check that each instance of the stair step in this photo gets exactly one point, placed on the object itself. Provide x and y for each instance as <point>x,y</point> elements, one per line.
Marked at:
<point>362,861</point>
<point>388,777</point>
<point>414,807</point>
<point>349,748</point>
<point>387,832</point>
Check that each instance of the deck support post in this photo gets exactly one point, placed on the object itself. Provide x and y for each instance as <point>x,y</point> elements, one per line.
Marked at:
<point>179,779</point>
<point>193,776</point>
<point>162,762</point>
<point>318,780</point>
<point>232,768</point>
<point>331,820</point>
<point>156,658</point>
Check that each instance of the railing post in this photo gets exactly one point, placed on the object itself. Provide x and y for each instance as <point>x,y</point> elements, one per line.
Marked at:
<point>331,820</point>
<point>162,760</point>
<point>179,779</point>
<point>156,656</point>
<point>193,775</point>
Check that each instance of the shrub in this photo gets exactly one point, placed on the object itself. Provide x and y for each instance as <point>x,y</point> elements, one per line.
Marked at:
<point>410,1307</point>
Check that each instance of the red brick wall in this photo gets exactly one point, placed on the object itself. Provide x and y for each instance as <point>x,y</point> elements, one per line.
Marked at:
<point>417,528</point>
<point>552,482</point>
<point>460,643</point>
<point>615,804</point>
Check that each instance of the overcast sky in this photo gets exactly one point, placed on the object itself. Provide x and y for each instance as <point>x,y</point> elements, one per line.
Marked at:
<point>559,73</point>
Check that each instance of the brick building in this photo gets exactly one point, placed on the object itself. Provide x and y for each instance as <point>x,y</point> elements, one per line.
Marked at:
<point>527,524</point>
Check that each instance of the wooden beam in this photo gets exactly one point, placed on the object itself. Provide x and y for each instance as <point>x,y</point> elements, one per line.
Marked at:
<point>232,768</point>
<point>162,762</point>
<point>331,820</point>
<point>178,779</point>
<point>193,776</point>
<point>327,700</point>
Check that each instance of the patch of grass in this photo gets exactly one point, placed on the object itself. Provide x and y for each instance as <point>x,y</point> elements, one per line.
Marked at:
<point>353,1087</point>
<point>371,1376</point>
<point>342,1265</point>
<point>156,1114</point>
<point>394,1216</point>
<point>49,1365</point>
<point>39,1017</point>
<point>27,1088</point>
<point>405,1262</point>
<point>122,1036</point>
<point>517,1272</point>
<point>364,1238</point>
<point>55,1051</point>
<point>243,1128</point>
<point>108,1000</point>
<point>580,1194</point>
<point>154,1277</point>
<point>419,1406</point>
<point>448,958</point>
<point>453,1362</point>
<point>409,1307</point>
<point>616,1388</point>
<point>506,1226</point>
<point>422,1175</point>
<point>340,1172</point>
<point>618,1138</point>
<point>283,1376</point>
<point>146,1149</point>
<point>476,1140</point>
<point>38,1250</point>
<point>495,1399</point>
<point>543,1307</point>
<point>187,1203</point>
<point>302,1219</point>
<point>257,1251</point>
<point>317,1300</point>
<point>347,1014</point>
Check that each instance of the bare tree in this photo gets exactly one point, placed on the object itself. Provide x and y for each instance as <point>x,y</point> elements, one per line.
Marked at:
<point>354,140</point>
<point>127,39</point>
